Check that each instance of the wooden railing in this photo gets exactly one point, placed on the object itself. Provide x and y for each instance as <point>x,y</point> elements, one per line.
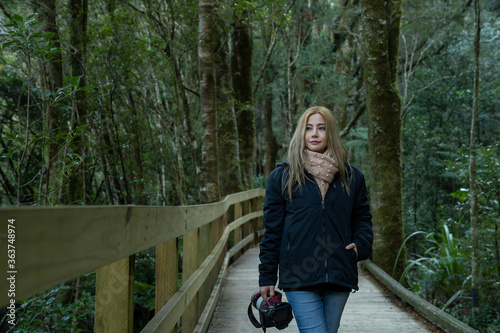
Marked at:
<point>56,244</point>
<point>428,310</point>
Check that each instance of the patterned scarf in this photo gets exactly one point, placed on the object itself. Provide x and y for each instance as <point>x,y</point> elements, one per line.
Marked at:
<point>323,168</point>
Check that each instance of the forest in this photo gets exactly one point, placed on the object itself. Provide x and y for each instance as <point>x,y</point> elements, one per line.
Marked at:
<point>179,102</point>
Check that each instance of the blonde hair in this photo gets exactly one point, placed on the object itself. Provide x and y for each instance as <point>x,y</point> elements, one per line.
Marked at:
<point>296,154</point>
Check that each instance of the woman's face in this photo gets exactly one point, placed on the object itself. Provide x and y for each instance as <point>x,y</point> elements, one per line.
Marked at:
<point>315,137</point>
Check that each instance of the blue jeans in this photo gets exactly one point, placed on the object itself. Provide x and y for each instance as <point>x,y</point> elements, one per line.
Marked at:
<point>317,311</point>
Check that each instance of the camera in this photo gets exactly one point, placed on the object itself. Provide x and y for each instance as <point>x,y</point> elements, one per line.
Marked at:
<point>272,313</point>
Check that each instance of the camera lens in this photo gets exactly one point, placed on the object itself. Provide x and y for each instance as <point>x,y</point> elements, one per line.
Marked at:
<point>256,298</point>
<point>258,303</point>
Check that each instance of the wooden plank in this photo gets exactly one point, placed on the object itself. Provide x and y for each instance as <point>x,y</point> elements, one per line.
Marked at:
<point>167,317</point>
<point>204,251</point>
<point>56,244</point>
<point>431,312</point>
<point>238,232</point>
<point>368,310</point>
<point>215,234</point>
<point>166,273</point>
<point>206,316</point>
<point>114,302</point>
<point>236,249</point>
<point>259,221</point>
<point>247,208</point>
<point>190,255</point>
<point>198,215</point>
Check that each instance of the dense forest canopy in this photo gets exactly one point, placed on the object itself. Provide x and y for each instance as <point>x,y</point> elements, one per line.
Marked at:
<point>141,102</point>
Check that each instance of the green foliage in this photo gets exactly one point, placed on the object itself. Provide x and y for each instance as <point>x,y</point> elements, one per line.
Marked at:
<point>59,308</point>
<point>140,54</point>
<point>31,138</point>
<point>440,268</point>
<point>359,138</point>
<point>443,273</point>
<point>24,38</point>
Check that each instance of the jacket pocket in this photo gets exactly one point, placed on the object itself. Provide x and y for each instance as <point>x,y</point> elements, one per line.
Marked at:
<point>352,254</point>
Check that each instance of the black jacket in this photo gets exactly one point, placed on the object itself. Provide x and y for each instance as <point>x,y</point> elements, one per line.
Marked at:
<point>307,237</point>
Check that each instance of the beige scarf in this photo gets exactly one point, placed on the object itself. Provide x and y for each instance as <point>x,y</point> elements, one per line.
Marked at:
<point>323,168</point>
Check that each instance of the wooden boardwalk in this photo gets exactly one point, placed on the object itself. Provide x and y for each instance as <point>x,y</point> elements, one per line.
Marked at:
<point>368,310</point>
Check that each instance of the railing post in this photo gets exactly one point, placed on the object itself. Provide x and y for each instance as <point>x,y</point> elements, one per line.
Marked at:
<point>189,265</point>
<point>204,251</point>
<point>256,223</point>
<point>247,208</point>
<point>166,273</point>
<point>114,301</point>
<point>238,212</point>
<point>215,234</point>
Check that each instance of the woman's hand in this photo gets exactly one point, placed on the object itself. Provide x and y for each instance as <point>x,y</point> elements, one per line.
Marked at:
<point>353,246</point>
<point>264,290</point>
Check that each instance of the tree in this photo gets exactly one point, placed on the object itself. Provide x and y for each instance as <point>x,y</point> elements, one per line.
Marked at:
<point>209,167</point>
<point>78,27</point>
<point>142,106</point>
<point>345,50</point>
<point>381,22</point>
<point>227,129</point>
<point>241,65</point>
<point>271,144</point>
<point>56,118</point>
<point>472,166</point>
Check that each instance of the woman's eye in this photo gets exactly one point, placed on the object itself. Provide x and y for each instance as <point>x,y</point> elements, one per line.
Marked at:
<point>322,128</point>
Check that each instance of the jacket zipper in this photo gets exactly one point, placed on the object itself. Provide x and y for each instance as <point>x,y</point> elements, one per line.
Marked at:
<point>323,217</point>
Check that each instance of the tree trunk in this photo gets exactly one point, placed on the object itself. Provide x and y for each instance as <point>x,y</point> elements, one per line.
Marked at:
<point>381,23</point>
<point>472,170</point>
<point>181,93</point>
<point>241,62</point>
<point>270,143</point>
<point>209,164</point>
<point>344,44</point>
<point>48,14</point>
<point>140,196</point>
<point>181,179</point>
<point>227,130</point>
<point>78,38</point>
<point>55,118</point>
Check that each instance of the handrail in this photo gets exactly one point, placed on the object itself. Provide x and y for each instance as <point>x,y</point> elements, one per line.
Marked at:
<point>56,244</point>
<point>429,311</point>
<point>58,248</point>
<point>168,316</point>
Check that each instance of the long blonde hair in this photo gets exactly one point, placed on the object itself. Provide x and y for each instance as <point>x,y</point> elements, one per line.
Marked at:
<point>296,154</point>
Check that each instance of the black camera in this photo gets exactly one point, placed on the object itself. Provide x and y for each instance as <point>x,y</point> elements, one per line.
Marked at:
<point>273,313</point>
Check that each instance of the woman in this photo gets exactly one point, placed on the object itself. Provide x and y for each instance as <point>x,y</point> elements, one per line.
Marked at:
<point>318,225</point>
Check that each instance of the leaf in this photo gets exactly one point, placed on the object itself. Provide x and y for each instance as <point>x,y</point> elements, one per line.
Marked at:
<point>11,136</point>
<point>17,18</point>
<point>454,297</point>
<point>7,44</point>
<point>74,81</point>
<point>36,23</point>
<point>49,35</point>
<point>402,247</point>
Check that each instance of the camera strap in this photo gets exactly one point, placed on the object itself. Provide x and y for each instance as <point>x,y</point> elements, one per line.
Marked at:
<point>253,320</point>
